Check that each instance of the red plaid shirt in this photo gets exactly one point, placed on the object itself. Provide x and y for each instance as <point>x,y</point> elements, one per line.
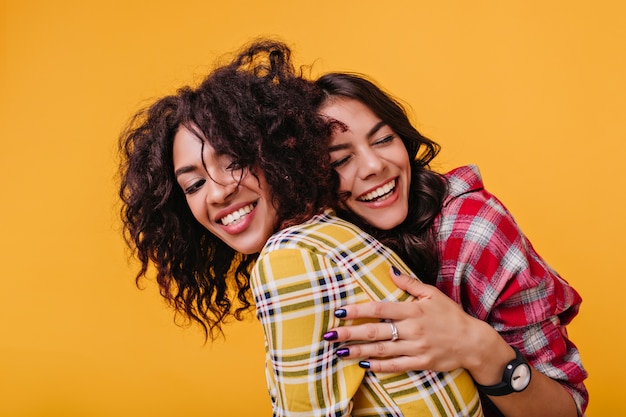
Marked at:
<point>491,269</point>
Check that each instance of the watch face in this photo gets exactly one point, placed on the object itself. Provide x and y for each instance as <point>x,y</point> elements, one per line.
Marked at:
<point>520,377</point>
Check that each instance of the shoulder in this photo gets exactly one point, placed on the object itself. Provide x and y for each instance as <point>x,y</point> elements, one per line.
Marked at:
<point>470,205</point>
<point>463,180</point>
<point>329,240</point>
<point>323,232</point>
<point>480,244</point>
<point>328,236</point>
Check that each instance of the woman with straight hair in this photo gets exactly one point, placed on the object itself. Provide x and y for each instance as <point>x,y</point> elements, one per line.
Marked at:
<point>510,333</point>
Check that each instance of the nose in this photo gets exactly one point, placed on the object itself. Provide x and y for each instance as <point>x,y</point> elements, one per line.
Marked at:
<point>220,190</point>
<point>369,163</point>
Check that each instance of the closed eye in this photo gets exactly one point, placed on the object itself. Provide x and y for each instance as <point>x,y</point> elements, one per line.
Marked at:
<point>195,186</point>
<point>384,140</point>
<point>340,162</point>
<point>234,166</point>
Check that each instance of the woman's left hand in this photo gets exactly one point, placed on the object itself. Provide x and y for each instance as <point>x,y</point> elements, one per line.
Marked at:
<point>433,333</point>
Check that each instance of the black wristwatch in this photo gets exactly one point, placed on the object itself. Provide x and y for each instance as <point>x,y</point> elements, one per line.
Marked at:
<point>515,378</point>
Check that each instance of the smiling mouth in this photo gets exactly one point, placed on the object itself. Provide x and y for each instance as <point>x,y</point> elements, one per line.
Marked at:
<point>236,216</point>
<point>379,194</point>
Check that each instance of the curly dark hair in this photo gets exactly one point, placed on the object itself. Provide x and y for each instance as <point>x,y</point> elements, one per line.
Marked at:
<point>256,110</point>
<point>413,239</point>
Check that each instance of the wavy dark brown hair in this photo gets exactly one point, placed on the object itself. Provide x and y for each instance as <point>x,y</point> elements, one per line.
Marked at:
<point>256,110</point>
<point>413,239</point>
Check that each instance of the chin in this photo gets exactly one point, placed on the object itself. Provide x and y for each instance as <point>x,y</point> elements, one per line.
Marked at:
<point>384,226</point>
<point>382,222</point>
<point>248,249</point>
<point>387,221</point>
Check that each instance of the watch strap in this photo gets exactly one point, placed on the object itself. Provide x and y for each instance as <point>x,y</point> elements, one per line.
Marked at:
<point>504,387</point>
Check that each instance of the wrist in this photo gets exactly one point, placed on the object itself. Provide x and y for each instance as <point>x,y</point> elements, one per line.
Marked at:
<point>490,355</point>
<point>515,377</point>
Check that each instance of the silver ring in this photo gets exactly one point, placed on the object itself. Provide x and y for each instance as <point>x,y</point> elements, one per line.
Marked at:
<point>394,331</point>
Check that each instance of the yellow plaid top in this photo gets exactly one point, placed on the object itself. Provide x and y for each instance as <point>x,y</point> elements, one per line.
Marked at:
<point>303,274</point>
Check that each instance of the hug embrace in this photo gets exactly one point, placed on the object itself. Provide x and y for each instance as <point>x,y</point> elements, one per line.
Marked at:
<point>383,287</point>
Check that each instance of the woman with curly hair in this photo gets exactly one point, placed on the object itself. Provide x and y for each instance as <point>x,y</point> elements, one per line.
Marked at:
<point>459,238</point>
<point>227,190</point>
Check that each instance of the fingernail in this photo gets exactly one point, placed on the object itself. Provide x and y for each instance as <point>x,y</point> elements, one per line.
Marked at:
<point>342,353</point>
<point>341,313</point>
<point>364,364</point>
<point>332,335</point>
<point>396,271</point>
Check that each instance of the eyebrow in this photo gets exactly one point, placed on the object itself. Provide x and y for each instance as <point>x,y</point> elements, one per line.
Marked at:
<point>371,133</point>
<point>184,170</point>
<point>375,129</point>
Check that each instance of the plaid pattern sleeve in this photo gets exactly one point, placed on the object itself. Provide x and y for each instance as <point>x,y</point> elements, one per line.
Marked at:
<point>302,276</point>
<point>489,266</point>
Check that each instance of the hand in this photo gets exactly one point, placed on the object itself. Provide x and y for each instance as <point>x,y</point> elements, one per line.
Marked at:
<point>434,332</point>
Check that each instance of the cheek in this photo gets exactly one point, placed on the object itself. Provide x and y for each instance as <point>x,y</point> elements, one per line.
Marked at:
<point>350,206</point>
<point>346,182</point>
<point>408,165</point>
<point>406,162</point>
<point>196,206</point>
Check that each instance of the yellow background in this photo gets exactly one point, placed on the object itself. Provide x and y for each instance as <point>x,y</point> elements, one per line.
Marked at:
<point>531,91</point>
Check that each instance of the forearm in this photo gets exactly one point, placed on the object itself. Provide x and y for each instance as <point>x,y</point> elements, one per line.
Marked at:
<point>544,397</point>
<point>435,333</point>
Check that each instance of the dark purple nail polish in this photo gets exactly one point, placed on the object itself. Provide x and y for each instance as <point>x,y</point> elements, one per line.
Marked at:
<point>332,335</point>
<point>343,352</point>
<point>341,313</point>
<point>396,271</point>
<point>364,364</point>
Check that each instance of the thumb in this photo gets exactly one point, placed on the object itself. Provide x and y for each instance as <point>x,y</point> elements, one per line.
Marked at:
<point>411,285</point>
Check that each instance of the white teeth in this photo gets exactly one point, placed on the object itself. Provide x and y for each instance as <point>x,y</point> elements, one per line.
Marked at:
<point>379,192</point>
<point>236,215</point>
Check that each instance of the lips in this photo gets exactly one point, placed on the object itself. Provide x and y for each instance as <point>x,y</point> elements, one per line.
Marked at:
<point>380,193</point>
<point>236,216</point>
